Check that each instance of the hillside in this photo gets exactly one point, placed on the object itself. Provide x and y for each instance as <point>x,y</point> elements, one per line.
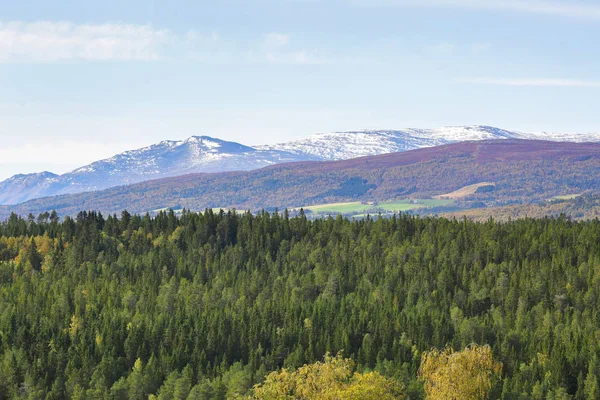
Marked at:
<point>583,207</point>
<point>204,154</point>
<point>523,172</point>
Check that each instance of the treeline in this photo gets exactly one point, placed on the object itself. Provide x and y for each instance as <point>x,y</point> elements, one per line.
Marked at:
<point>205,305</point>
<point>584,207</point>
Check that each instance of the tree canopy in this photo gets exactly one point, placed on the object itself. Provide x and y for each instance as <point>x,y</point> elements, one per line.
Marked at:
<point>464,375</point>
<point>332,379</point>
<point>207,305</point>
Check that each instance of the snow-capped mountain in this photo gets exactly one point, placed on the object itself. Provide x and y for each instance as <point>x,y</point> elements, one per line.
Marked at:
<point>164,159</point>
<point>206,154</point>
<point>346,145</point>
<point>24,187</point>
<point>172,158</point>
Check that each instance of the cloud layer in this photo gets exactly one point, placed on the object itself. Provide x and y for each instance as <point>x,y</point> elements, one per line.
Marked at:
<point>558,8</point>
<point>51,41</point>
<point>277,49</point>
<point>532,82</point>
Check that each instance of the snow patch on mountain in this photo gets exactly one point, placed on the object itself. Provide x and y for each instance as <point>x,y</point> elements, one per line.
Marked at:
<point>346,145</point>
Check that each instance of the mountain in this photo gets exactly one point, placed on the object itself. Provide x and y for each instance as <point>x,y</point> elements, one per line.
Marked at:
<point>173,158</point>
<point>22,187</point>
<point>205,154</point>
<point>523,171</point>
<point>347,145</point>
<point>167,158</point>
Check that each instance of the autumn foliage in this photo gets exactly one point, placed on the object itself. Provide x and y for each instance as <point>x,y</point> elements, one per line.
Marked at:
<point>463,375</point>
<point>332,379</point>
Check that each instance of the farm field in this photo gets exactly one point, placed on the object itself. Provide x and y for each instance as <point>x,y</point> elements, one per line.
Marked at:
<point>566,197</point>
<point>351,207</point>
<point>389,206</point>
<point>464,191</point>
<point>412,204</point>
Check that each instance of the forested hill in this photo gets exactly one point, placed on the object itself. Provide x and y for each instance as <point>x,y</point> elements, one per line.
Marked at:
<point>202,306</point>
<point>523,171</point>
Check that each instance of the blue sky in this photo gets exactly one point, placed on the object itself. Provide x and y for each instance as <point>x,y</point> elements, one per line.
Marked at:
<point>82,80</point>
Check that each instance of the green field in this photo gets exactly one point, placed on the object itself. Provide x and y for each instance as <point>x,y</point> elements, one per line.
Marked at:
<point>566,197</point>
<point>357,207</point>
<point>339,207</point>
<point>389,206</point>
<point>405,205</point>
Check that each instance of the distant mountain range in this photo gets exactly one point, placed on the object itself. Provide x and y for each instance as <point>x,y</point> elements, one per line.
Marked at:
<point>522,172</point>
<point>164,159</point>
<point>203,154</point>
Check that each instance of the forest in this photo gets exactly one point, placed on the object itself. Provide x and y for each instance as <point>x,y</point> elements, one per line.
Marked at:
<point>212,305</point>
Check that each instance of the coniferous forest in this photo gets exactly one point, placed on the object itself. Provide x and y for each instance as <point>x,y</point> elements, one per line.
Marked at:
<point>206,305</point>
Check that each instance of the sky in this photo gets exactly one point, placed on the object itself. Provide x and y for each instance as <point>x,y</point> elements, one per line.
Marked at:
<point>81,80</point>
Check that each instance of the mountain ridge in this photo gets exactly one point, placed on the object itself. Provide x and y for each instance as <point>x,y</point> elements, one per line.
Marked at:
<point>164,159</point>
<point>524,171</point>
<point>198,154</point>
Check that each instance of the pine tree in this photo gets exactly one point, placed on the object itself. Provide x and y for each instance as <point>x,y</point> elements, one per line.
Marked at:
<point>33,257</point>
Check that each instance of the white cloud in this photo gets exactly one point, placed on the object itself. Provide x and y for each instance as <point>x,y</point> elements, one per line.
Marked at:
<point>482,47</point>
<point>51,41</point>
<point>445,49</point>
<point>442,49</point>
<point>294,57</point>
<point>276,40</point>
<point>277,49</point>
<point>558,8</point>
<point>532,82</point>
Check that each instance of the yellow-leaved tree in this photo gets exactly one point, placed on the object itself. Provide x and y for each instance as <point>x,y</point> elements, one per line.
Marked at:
<point>332,379</point>
<point>462,375</point>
